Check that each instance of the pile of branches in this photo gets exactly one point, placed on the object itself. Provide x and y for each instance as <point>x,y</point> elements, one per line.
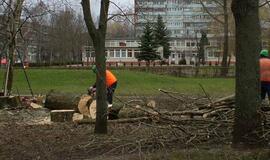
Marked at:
<point>206,123</point>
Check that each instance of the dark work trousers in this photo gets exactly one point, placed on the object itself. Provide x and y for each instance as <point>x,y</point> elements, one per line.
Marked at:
<point>110,91</point>
<point>265,89</point>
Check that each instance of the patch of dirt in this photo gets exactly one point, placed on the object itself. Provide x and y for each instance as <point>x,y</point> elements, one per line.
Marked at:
<point>29,134</point>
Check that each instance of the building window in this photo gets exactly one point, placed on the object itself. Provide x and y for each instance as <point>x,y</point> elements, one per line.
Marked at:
<point>188,44</point>
<point>124,53</point>
<point>112,53</point>
<point>122,44</point>
<point>113,44</point>
<point>216,54</point>
<point>117,53</point>
<point>129,43</point>
<point>136,53</point>
<point>129,53</point>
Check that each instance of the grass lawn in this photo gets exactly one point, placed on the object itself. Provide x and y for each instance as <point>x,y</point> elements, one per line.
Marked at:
<point>129,82</point>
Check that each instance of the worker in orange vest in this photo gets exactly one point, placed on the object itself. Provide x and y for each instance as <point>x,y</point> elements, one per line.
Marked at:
<point>111,84</point>
<point>265,74</point>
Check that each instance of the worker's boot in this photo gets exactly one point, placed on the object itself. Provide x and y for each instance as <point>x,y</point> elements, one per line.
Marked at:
<point>113,112</point>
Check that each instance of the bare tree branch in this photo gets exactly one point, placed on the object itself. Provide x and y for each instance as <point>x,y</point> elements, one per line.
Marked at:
<point>104,14</point>
<point>219,2</point>
<point>210,14</point>
<point>265,3</point>
<point>122,15</point>
<point>88,19</point>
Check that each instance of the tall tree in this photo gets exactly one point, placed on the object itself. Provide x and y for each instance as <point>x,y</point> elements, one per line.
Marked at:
<point>147,46</point>
<point>223,4</point>
<point>36,31</point>
<point>203,42</point>
<point>121,26</point>
<point>248,46</point>
<point>161,36</point>
<point>66,36</point>
<point>98,37</point>
<point>14,10</point>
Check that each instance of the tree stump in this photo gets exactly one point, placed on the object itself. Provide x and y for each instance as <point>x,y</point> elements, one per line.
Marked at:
<point>62,115</point>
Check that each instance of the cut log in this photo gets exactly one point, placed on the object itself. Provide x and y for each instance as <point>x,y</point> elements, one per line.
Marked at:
<point>225,101</point>
<point>35,106</point>
<point>93,109</point>
<point>215,112</point>
<point>62,115</point>
<point>9,102</point>
<point>151,104</point>
<point>125,120</point>
<point>228,98</point>
<point>57,101</point>
<point>84,105</point>
<point>185,113</point>
<point>112,112</point>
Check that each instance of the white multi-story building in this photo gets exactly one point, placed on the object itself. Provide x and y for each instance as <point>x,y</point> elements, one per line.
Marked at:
<point>184,19</point>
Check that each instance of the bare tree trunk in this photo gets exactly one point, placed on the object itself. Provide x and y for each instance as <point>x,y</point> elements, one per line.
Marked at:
<point>13,23</point>
<point>98,37</point>
<point>101,119</point>
<point>224,63</point>
<point>9,74</point>
<point>248,45</point>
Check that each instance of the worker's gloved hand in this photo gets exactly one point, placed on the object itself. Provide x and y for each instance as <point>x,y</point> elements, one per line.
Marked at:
<point>91,90</point>
<point>109,105</point>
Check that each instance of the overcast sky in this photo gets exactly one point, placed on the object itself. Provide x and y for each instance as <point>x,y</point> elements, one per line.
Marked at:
<point>123,3</point>
<point>95,6</point>
<point>76,5</point>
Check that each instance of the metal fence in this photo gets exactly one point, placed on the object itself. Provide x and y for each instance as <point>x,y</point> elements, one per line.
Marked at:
<point>185,71</point>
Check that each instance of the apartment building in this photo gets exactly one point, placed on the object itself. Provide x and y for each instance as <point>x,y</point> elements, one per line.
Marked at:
<point>184,19</point>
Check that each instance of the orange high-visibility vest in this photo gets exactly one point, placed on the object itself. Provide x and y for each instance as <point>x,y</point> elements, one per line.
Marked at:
<point>110,78</point>
<point>265,69</point>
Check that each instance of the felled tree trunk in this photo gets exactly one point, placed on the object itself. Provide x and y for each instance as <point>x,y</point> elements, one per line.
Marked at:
<point>59,101</point>
<point>9,102</point>
<point>79,103</point>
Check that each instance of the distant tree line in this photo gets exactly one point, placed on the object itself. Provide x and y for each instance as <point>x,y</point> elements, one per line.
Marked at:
<point>48,37</point>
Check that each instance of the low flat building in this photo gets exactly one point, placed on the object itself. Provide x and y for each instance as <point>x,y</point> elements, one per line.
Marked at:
<point>118,52</point>
<point>124,51</point>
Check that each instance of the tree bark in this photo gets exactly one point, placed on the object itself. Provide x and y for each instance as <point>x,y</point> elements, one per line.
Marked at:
<point>248,46</point>
<point>98,36</point>
<point>15,10</point>
<point>59,101</point>
<point>101,118</point>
